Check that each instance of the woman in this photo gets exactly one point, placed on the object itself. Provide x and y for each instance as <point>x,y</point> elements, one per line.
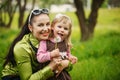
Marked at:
<point>21,62</point>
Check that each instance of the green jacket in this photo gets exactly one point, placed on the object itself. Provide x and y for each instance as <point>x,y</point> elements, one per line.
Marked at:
<point>26,62</point>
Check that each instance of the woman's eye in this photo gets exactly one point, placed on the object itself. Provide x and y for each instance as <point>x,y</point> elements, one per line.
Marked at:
<point>40,25</point>
<point>48,24</point>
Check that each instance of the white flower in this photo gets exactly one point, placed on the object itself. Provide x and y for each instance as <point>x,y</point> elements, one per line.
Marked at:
<point>57,39</point>
<point>63,55</point>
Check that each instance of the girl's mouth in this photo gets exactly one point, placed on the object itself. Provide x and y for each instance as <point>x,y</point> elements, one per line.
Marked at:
<point>60,34</point>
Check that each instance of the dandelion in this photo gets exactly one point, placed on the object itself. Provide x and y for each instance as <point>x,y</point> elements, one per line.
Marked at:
<point>56,40</point>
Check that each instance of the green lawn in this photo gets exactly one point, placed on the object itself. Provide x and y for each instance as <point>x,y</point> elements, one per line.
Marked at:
<point>98,58</point>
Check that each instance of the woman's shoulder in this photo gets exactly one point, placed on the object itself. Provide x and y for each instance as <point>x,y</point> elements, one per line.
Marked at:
<point>22,46</point>
<point>21,49</point>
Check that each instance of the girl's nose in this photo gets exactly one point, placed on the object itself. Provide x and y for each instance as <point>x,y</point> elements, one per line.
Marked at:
<point>62,29</point>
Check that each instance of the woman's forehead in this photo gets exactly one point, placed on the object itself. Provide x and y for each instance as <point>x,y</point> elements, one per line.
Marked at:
<point>41,18</point>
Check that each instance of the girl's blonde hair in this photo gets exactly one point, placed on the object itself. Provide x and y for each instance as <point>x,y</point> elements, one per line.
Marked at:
<point>65,19</point>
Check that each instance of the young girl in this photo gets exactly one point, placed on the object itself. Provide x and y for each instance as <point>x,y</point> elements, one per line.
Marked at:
<point>58,45</point>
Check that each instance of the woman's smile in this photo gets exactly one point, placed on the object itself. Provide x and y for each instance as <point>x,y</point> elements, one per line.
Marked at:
<point>45,34</point>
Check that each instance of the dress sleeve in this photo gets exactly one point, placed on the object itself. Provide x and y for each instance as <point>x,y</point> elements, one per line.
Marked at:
<point>23,60</point>
<point>42,54</point>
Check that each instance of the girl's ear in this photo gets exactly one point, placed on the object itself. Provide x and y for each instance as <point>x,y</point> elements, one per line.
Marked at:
<point>30,27</point>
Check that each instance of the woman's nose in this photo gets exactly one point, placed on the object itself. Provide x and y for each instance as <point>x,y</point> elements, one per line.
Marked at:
<point>45,28</point>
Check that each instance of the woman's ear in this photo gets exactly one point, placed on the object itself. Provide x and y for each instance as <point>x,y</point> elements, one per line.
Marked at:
<point>30,27</point>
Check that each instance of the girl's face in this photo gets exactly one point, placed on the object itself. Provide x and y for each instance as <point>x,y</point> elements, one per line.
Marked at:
<point>40,27</point>
<point>61,29</point>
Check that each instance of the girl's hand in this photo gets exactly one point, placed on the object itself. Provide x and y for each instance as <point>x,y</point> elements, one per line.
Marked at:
<point>54,53</point>
<point>73,59</point>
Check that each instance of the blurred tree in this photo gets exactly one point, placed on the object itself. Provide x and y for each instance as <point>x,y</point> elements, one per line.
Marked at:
<point>22,4</point>
<point>7,12</point>
<point>114,3</point>
<point>48,3</point>
<point>87,25</point>
<point>8,9</point>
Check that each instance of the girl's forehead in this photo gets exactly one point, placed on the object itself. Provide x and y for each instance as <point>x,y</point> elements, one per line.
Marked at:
<point>63,22</point>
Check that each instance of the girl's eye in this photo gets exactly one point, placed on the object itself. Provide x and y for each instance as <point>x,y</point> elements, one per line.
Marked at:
<point>59,26</point>
<point>65,28</point>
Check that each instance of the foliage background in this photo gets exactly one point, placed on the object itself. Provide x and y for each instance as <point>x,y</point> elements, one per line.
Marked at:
<point>98,58</point>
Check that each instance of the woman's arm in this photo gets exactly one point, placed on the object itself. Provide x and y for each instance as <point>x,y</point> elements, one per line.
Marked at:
<point>24,65</point>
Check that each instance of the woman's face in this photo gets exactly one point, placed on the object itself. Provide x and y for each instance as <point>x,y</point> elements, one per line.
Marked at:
<point>40,27</point>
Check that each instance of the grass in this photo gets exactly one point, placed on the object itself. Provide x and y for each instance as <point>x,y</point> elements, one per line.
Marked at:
<point>98,58</point>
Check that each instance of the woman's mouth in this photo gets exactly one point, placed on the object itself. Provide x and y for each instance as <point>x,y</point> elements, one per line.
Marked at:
<point>45,34</point>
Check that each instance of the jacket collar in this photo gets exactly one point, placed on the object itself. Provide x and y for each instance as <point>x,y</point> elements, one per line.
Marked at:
<point>33,40</point>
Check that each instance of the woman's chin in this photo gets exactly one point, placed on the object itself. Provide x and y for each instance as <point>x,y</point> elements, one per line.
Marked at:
<point>44,38</point>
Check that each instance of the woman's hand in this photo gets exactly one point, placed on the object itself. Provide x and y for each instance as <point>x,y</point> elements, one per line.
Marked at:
<point>63,65</point>
<point>54,63</point>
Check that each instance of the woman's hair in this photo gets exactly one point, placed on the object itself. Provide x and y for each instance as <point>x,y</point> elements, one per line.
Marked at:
<point>24,30</point>
<point>66,20</point>
<point>10,55</point>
